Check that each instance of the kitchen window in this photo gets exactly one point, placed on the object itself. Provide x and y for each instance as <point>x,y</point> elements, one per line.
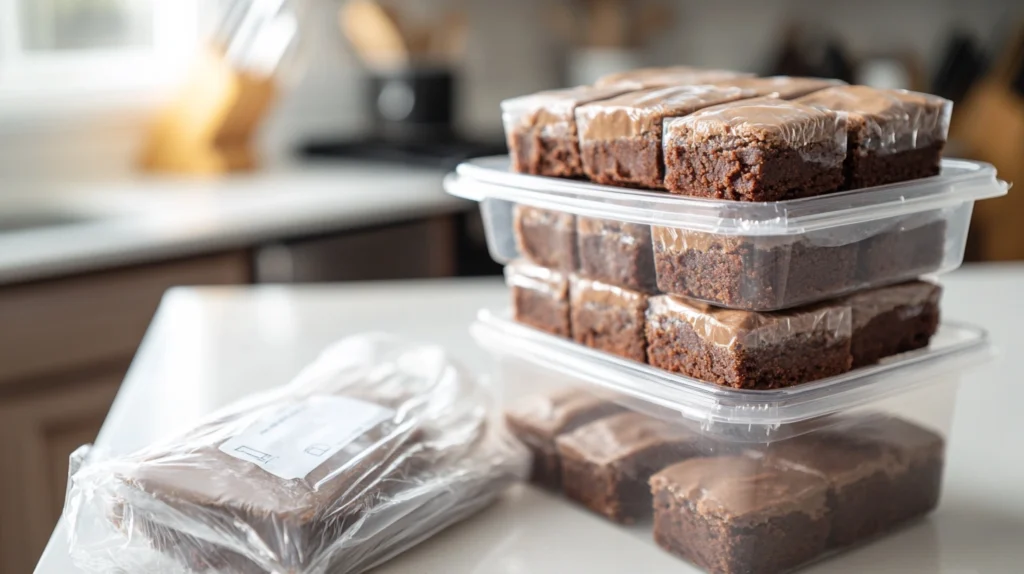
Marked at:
<point>59,53</point>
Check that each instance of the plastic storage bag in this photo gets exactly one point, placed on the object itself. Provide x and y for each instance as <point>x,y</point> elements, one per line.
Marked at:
<point>374,447</point>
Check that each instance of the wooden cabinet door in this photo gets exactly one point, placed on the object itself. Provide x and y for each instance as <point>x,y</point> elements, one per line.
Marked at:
<point>65,345</point>
<point>37,433</point>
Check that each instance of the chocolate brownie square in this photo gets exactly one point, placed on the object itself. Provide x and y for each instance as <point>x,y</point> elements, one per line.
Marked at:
<point>761,149</point>
<point>784,87</point>
<point>537,420</point>
<point>892,320</point>
<point>545,237</point>
<point>646,78</point>
<point>540,297</point>
<point>606,464</point>
<point>881,472</point>
<point>893,135</point>
<point>608,318</point>
<point>740,514</point>
<point>620,138</point>
<point>754,272</point>
<point>540,129</point>
<point>295,520</point>
<point>746,349</point>
<point>616,252</point>
<point>913,246</point>
<point>920,455</point>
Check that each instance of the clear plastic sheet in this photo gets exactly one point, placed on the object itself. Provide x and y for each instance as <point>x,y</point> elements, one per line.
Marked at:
<point>730,328</point>
<point>644,78</point>
<point>785,87</point>
<point>909,299</point>
<point>818,135</point>
<point>620,139</point>
<point>638,114</point>
<point>887,121</point>
<point>551,112</point>
<point>374,447</point>
<point>587,292</point>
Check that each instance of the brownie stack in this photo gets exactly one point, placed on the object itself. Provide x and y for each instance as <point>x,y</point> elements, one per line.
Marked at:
<point>749,312</point>
<point>743,311</point>
<point>732,506</point>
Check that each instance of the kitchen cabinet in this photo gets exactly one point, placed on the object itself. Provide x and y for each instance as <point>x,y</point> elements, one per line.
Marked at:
<point>65,345</point>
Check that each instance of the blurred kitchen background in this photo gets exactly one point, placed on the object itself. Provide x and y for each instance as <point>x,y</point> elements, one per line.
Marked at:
<point>151,143</point>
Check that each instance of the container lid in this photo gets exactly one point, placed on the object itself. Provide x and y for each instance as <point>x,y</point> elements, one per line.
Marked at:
<point>954,348</point>
<point>960,181</point>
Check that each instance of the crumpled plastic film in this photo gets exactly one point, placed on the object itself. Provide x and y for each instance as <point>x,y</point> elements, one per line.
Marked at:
<point>377,445</point>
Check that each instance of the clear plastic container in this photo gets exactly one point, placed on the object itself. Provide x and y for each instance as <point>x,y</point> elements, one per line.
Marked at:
<point>735,481</point>
<point>755,256</point>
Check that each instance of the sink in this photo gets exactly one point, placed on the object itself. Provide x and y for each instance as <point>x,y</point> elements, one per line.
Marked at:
<point>31,220</point>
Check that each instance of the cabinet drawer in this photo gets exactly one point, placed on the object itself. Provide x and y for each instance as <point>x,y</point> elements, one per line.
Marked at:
<point>54,326</point>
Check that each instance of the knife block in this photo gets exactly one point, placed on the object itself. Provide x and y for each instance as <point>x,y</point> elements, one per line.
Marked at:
<point>210,126</point>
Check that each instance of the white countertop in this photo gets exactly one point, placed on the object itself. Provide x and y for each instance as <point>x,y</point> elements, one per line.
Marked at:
<point>210,346</point>
<point>159,217</point>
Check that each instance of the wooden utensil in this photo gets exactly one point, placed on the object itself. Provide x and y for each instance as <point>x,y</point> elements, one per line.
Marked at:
<point>375,33</point>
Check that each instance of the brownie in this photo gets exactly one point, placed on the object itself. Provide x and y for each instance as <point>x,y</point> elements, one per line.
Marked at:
<point>606,464</point>
<point>616,252</point>
<point>913,246</point>
<point>761,149</point>
<point>608,318</point>
<point>646,78</point>
<point>881,472</point>
<point>893,135</point>
<point>746,349</point>
<point>891,320</point>
<point>740,514</point>
<point>540,129</point>
<point>761,273</point>
<point>920,454</point>
<point>537,420</point>
<point>545,237</point>
<point>620,138</point>
<point>294,521</point>
<point>540,297</point>
<point>784,87</point>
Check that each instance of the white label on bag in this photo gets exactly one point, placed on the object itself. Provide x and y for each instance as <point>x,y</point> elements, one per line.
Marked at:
<point>296,439</point>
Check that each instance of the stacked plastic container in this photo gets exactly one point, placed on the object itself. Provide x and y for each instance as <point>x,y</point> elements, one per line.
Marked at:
<point>762,382</point>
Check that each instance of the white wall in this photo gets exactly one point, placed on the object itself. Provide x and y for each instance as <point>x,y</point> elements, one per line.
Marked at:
<point>511,52</point>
